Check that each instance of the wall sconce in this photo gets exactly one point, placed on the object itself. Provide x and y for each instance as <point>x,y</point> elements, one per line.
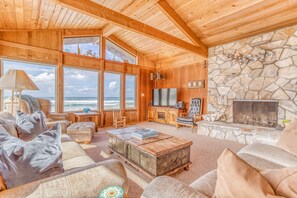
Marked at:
<point>157,76</point>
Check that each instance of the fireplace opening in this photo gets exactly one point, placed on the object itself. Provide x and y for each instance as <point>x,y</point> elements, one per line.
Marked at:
<point>256,112</point>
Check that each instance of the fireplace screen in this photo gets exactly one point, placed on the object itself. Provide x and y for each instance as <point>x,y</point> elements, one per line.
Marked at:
<point>255,112</point>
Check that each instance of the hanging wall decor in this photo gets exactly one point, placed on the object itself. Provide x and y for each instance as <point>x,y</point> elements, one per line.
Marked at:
<point>196,84</point>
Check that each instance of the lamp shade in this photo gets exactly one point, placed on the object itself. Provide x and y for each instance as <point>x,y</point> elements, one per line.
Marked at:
<point>17,80</point>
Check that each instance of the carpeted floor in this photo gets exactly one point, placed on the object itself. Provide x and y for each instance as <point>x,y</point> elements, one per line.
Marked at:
<point>204,154</point>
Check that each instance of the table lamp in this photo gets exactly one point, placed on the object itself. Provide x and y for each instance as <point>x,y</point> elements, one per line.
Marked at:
<point>16,81</point>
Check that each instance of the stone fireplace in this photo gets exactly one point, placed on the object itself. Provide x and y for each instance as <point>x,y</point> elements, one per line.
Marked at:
<point>272,78</point>
<point>256,112</point>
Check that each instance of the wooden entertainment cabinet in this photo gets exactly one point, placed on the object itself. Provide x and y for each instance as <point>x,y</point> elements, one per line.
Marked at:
<point>165,115</point>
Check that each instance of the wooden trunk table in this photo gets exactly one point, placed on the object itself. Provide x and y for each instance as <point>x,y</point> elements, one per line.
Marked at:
<point>160,155</point>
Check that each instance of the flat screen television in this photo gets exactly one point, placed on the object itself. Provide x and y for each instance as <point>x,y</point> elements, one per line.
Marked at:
<point>164,97</point>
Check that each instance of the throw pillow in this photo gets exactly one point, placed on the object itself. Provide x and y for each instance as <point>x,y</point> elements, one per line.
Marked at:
<point>288,138</point>
<point>30,126</point>
<point>9,127</point>
<point>236,178</point>
<point>22,162</point>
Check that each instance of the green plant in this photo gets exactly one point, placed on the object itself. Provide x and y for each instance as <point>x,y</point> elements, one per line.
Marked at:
<point>286,121</point>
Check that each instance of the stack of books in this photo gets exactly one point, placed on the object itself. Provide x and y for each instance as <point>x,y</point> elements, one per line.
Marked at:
<point>144,133</point>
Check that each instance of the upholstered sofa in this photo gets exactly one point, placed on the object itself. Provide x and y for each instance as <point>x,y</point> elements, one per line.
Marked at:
<point>258,155</point>
<point>45,107</point>
<point>82,177</point>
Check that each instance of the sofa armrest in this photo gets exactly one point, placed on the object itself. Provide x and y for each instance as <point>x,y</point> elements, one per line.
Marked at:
<point>58,116</point>
<point>63,123</point>
<point>87,181</point>
<point>167,187</point>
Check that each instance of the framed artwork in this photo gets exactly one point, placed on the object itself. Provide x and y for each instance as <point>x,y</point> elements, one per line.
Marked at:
<point>196,84</point>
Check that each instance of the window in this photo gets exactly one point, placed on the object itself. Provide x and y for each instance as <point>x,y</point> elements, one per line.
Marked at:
<point>88,46</point>
<point>112,91</point>
<point>114,52</point>
<point>130,91</point>
<point>43,76</point>
<point>80,89</point>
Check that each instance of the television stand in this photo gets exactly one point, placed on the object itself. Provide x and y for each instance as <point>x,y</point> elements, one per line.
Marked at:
<point>165,115</point>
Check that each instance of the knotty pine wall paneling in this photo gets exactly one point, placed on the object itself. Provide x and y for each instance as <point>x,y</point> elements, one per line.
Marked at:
<point>178,77</point>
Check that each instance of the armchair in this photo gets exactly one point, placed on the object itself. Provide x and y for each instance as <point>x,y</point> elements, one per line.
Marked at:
<point>193,115</point>
<point>45,106</point>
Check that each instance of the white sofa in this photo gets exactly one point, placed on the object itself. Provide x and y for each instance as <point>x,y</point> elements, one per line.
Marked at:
<point>261,156</point>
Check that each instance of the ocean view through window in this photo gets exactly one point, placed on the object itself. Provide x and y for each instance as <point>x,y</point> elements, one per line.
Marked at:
<point>112,91</point>
<point>130,91</point>
<point>43,76</point>
<point>80,89</point>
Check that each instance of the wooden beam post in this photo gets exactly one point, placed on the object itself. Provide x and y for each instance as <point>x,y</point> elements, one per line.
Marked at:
<point>178,21</point>
<point>101,79</point>
<point>98,11</point>
<point>1,92</point>
<point>101,93</point>
<point>60,85</point>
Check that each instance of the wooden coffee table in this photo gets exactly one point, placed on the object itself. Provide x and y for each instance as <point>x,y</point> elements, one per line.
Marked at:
<point>160,155</point>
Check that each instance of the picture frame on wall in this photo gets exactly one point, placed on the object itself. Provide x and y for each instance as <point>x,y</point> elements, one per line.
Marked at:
<point>196,84</point>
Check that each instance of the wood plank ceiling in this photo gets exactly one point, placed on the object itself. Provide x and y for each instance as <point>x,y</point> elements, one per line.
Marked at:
<point>213,21</point>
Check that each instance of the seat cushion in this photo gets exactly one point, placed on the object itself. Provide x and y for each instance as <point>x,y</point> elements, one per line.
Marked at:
<point>206,184</point>
<point>66,138</point>
<point>271,153</point>
<point>185,120</point>
<point>71,150</point>
<point>77,162</point>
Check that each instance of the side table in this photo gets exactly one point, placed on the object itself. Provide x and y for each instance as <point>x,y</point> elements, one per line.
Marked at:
<point>93,115</point>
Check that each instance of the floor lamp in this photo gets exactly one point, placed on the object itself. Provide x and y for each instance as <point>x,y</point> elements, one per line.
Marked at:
<point>16,81</point>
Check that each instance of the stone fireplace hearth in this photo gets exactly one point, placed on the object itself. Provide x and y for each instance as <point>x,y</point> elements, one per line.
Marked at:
<point>256,112</point>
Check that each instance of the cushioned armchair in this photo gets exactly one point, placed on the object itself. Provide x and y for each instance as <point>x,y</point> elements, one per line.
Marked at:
<point>45,107</point>
<point>193,115</point>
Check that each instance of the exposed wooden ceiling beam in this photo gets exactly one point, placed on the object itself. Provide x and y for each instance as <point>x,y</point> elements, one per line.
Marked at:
<point>98,11</point>
<point>136,8</point>
<point>122,44</point>
<point>109,29</point>
<point>178,21</point>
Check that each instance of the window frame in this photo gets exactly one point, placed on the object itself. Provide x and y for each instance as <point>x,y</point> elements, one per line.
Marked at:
<point>135,92</point>
<point>122,49</point>
<point>121,91</point>
<point>98,87</point>
<point>73,36</point>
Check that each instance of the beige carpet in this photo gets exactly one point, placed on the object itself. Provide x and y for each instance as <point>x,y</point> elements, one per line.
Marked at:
<point>204,154</point>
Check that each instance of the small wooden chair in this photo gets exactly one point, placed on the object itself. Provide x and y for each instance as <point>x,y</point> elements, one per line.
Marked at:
<point>118,119</point>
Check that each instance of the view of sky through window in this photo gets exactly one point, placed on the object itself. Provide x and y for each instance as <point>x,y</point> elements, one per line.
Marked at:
<point>42,75</point>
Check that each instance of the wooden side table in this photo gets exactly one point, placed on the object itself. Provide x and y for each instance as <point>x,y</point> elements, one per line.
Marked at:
<point>93,115</point>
